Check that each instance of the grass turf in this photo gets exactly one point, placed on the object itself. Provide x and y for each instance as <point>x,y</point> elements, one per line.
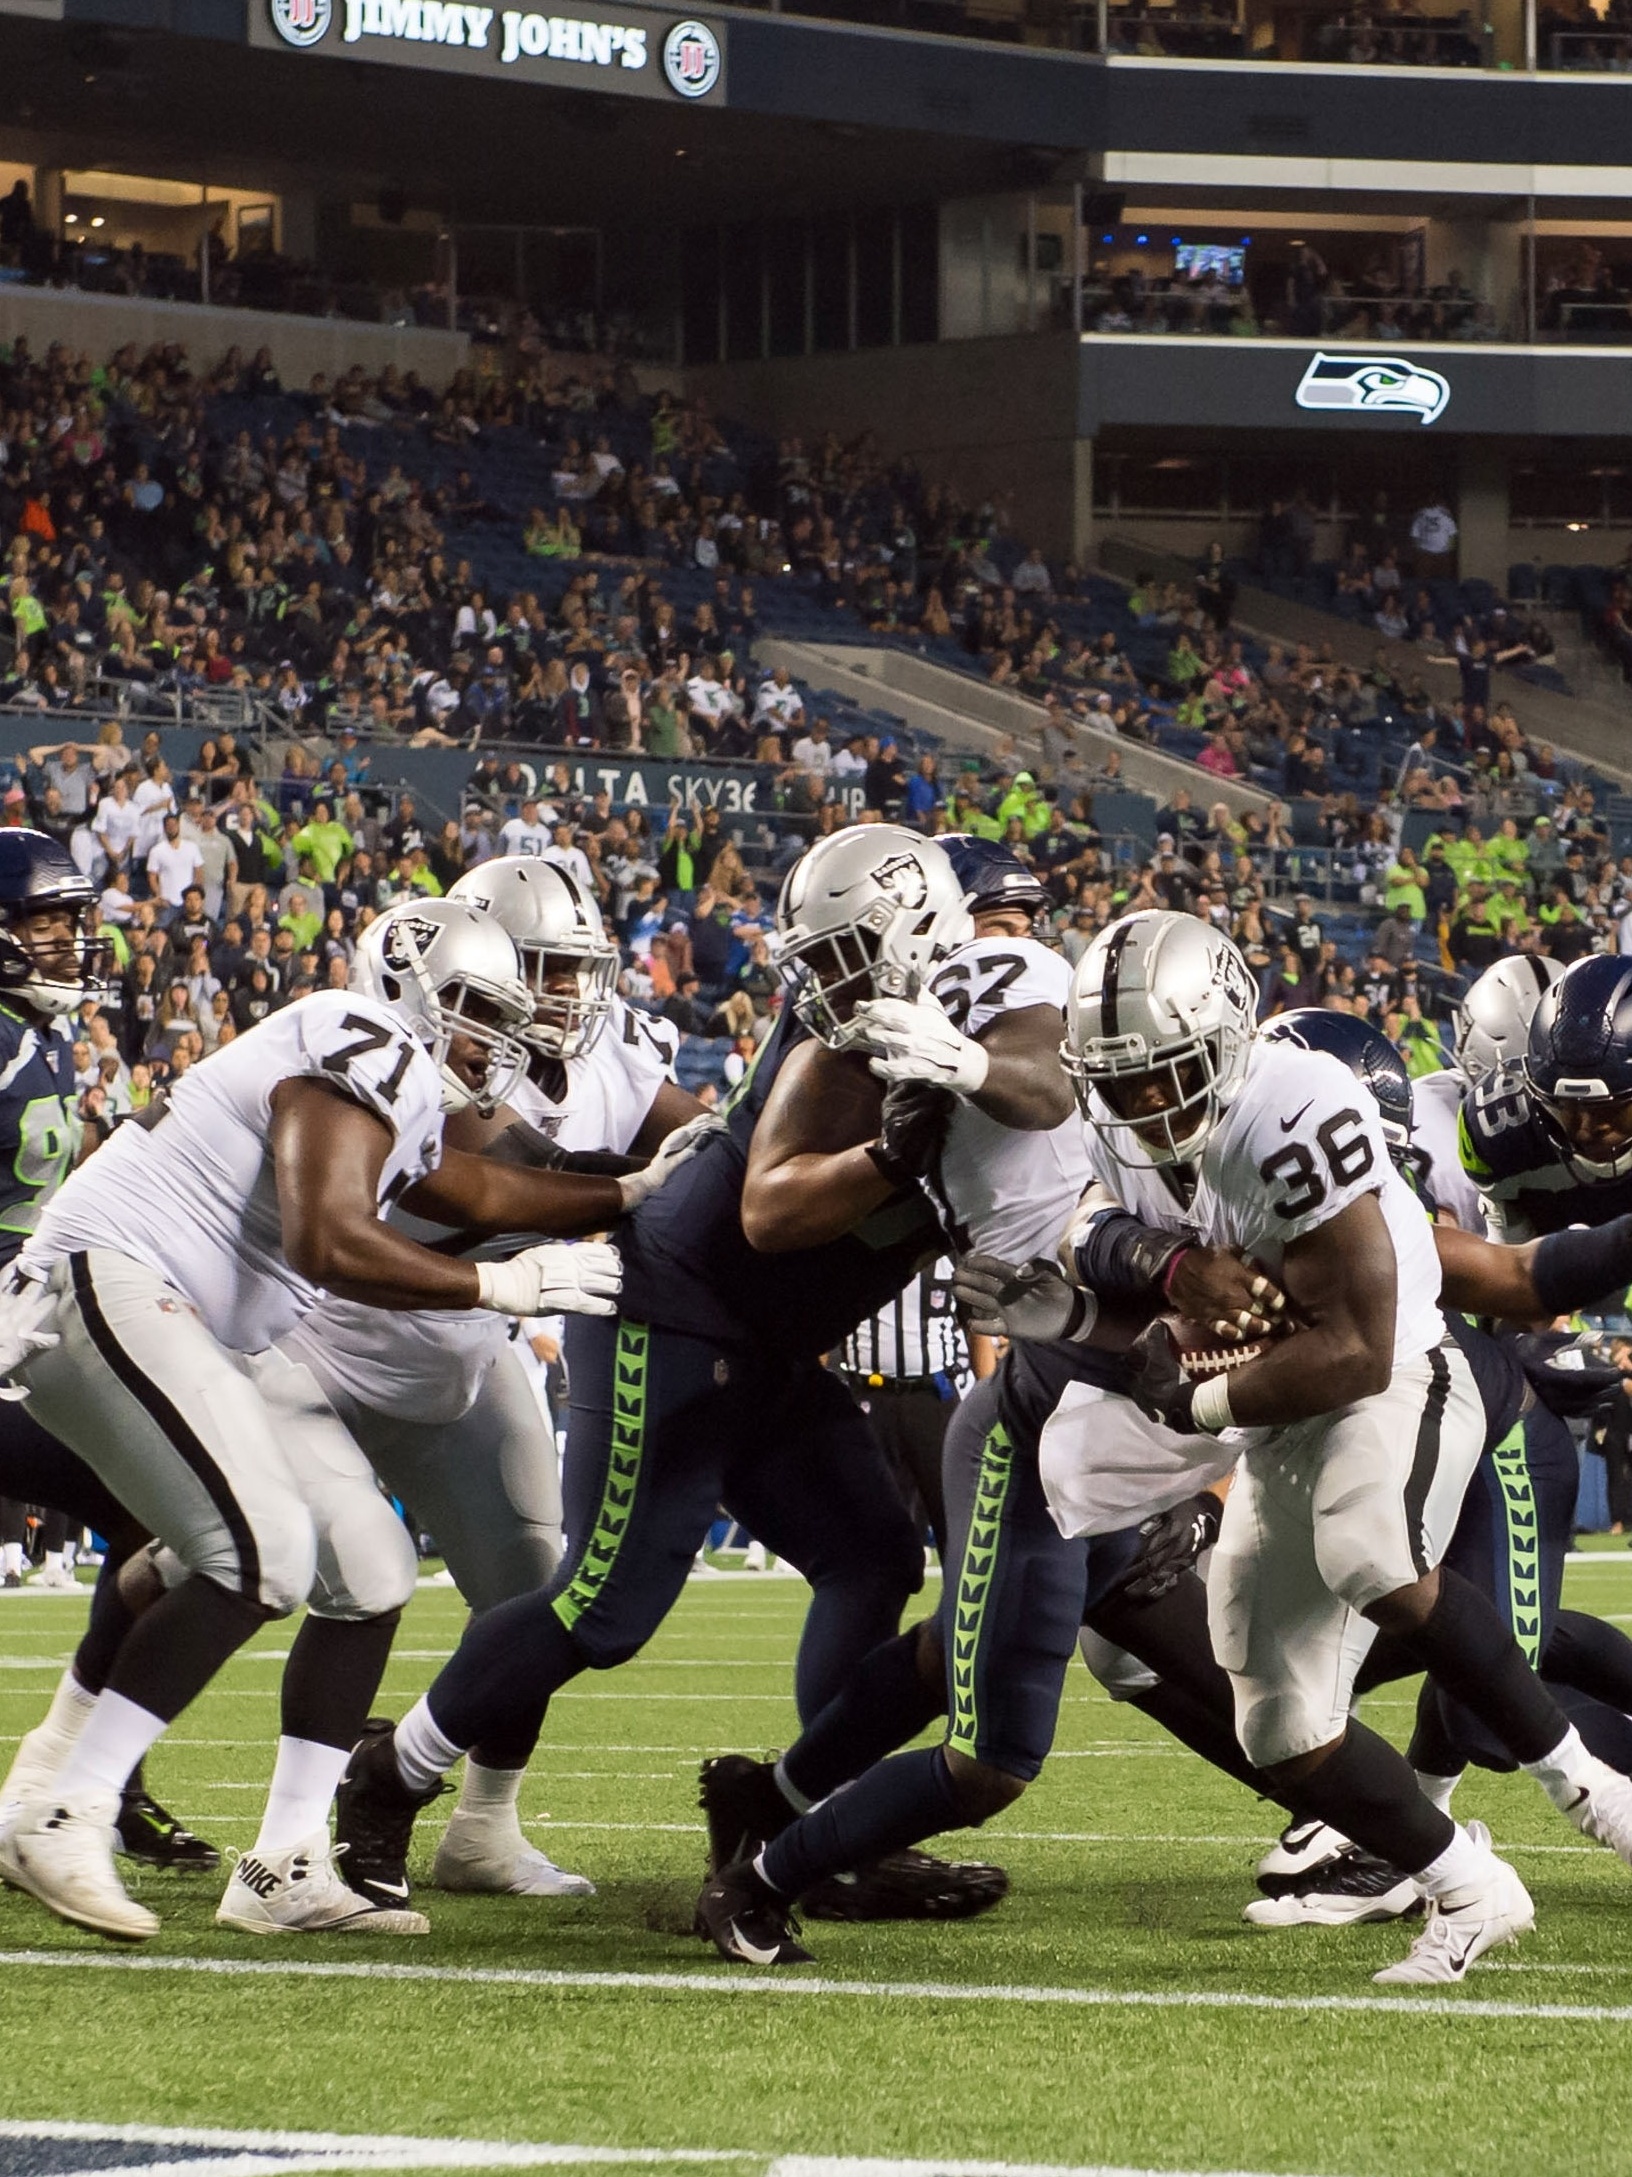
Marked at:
<point>1130,1863</point>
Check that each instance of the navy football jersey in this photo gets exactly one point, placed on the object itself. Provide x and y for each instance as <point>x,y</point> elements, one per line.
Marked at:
<point>40,1128</point>
<point>1526,1185</point>
<point>687,1265</point>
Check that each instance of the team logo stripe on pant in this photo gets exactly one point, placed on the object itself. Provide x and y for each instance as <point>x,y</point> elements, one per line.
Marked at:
<point>622,1476</point>
<point>157,1405</point>
<point>1425,1462</point>
<point>975,1576</point>
<point>1523,1542</point>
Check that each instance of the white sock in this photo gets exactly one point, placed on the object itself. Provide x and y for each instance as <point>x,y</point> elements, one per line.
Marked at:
<point>11,1558</point>
<point>1438,1790</point>
<point>489,1791</point>
<point>790,1790</point>
<point>51,1561</point>
<point>304,1777</point>
<point>70,1552</point>
<point>424,1756</point>
<point>1462,1862</point>
<point>1564,1771</point>
<point>109,1746</point>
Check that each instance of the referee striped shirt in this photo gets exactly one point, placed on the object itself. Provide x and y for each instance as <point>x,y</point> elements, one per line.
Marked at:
<point>916,1334</point>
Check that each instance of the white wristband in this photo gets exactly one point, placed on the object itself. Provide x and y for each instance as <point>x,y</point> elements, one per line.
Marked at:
<point>1210,1408</point>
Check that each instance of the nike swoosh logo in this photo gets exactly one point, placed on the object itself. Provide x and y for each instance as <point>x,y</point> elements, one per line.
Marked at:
<point>388,1889</point>
<point>1580,1799</point>
<point>747,1950</point>
<point>1288,1124</point>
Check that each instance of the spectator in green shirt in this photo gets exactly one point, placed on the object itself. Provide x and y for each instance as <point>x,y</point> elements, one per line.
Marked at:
<point>324,842</point>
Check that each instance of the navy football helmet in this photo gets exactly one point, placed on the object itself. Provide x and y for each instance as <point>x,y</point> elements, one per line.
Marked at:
<point>1578,1063</point>
<point>38,877</point>
<point>993,875</point>
<point>1369,1056</point>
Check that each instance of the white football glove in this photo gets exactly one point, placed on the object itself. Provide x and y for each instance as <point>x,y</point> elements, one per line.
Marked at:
<point>671,1152</point>
<point>562,1277</point>
<point>1023,1299</point>
<point>25,1310</point>
<point>916,1041</point>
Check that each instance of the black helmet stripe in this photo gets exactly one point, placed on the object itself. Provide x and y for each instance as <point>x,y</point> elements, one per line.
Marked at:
<point>1113,975</point>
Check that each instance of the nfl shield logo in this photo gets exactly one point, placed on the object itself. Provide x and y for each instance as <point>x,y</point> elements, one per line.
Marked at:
<point>691,59</point>
<point>301,22</point>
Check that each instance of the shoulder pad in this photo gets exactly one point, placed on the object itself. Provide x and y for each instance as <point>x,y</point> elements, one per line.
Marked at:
<point>1497,1133</point>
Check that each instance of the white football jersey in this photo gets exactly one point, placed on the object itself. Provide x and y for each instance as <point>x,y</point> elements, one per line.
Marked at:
<point>1001,1191</point>
<point>194,1195</point>
<point>1436,1107</point>
<point>429,1365</point>
<point>1301,1141</point>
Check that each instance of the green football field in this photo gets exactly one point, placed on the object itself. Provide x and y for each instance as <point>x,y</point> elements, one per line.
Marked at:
<point>1114,2013</point>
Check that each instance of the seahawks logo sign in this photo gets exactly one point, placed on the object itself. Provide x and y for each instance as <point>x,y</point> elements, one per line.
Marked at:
<point>903,878</point>
<point>1373,385</point>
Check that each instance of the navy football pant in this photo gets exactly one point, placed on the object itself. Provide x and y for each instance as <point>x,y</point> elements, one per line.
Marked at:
<point>665,1429</point>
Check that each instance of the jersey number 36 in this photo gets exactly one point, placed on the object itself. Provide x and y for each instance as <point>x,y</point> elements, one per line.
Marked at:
<point>1348,1158</point>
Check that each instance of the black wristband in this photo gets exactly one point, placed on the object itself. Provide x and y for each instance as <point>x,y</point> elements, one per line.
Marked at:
<point>1573,1269</point>
<point>890,1166</point>
<point>1121,1259</point>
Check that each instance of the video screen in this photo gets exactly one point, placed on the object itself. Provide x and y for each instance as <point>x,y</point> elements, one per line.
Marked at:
<point>1204,260</point>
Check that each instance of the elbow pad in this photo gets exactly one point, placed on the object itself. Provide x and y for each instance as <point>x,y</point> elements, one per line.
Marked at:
<point>1116,1256</point>
<point>1573,1269</point>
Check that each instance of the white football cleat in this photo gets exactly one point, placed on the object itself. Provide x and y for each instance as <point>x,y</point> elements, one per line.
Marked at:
<point>1603,1809</point>
<point>1465,1923</point>
<point>299,1892</point>
<point>1349,1892</point>
<point>1300,1848</point>
<point>60,1850</point>
<point>480,1854</point>
<point>53,1579</point>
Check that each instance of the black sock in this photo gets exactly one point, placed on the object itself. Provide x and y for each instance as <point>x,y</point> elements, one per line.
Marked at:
<point>1471,1654</point>
<point>332,1675</point>
<point>1434,1749</point>
<point>1591,1656</point>
<point>884,1704</point>
<point>1205,1732</point>
<point>110,1621</point>
<point>173,1650</point>
<point>847,1620</point>
<point>897,1803</point>
<point>1366,1789</point>
<point>498,1681</point>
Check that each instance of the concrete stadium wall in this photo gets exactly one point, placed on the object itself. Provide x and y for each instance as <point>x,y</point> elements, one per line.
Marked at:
<point>993,416</point>
<point>301,346</point>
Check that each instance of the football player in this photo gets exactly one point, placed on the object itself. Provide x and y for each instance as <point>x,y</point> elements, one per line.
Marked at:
<point>709,1390</point>
<point>141,1320</point>
<point>50,963</point>
<point>1366,1422</point>
<point>440,1401</point>
<point>1492,1025</point>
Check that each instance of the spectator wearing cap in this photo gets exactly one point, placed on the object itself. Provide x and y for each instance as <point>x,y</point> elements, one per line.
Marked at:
<point>851,760</point>
<point>527,833</point>
<point>779,705</point>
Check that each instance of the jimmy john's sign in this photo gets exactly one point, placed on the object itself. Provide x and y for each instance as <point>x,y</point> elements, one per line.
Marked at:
<point>650,54</point>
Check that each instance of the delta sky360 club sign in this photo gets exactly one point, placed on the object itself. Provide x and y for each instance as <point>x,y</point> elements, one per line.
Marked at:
<point>649,55</point>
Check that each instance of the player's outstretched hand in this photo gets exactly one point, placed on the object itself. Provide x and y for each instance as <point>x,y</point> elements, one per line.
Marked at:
<point>911,1131</point>
<point>1022,1299</point>
<point>671,1152</point>
<point>917,1041</point>
<point>26,1307</point>
<point>1226,1290</point>
<point>1156,1383</point>
<point>1172,1541</point>
<point>562,1277</point>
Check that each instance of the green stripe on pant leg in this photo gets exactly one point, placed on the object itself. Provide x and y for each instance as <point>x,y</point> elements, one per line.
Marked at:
<point>622,1475</point>
<point>1523,1542</point>
<point>975,1575</point>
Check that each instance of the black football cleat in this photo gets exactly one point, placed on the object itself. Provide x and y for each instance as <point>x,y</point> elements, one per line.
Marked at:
<point>908,1886</point>
<point>1354,1890</point>
<point>374,1817</point>
<point>746,1921</point>
<point>743,1807</point>
<point>150,1834</point>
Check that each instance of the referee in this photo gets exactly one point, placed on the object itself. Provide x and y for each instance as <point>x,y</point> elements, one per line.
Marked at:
<point>907,1366</point>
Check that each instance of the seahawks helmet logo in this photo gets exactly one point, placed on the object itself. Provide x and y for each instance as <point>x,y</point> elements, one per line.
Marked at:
<point>903,878</point>
<point>1374,384</point>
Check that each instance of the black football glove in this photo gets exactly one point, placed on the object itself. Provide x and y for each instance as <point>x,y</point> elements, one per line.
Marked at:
<point>1173,1540</point>
<point>912,1130</point>
<point>1156,1383</point>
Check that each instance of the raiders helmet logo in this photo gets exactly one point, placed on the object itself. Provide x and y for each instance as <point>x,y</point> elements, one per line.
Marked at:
<point>902,877</point>
<point>408,936</point>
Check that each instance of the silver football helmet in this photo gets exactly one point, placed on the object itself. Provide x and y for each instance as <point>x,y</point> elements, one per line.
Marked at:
<point>570,964</point>
<point>866,913</point>
<point>446,969</point>
<point>1492,1022</point>
<point>1164,998</point>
